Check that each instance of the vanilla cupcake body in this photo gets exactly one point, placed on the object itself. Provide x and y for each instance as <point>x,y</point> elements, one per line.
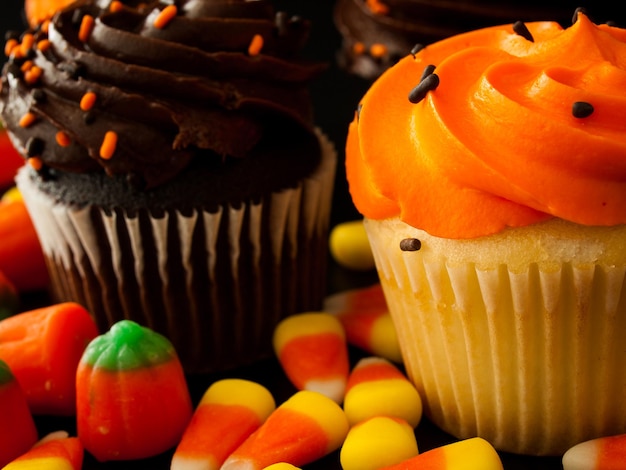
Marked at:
<point>496,227</point>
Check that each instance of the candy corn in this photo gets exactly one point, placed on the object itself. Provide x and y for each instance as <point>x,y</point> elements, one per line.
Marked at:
<point>17,428</point>
<point>366,320</point>
<point>350,247</point>
<point>132,400</point>
<point>43,348</point>
<point>604,453</point>
<point>378,388</point>
<point>281,466</point>
<point>56,452</point>
<point>229,411</point>
<point>304,428</point>
<point>312,349</point>
<point>470,454</point>
<point>376,443</point>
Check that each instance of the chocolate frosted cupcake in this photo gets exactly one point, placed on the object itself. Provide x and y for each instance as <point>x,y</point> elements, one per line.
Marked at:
<point>376,33</point>
<point>176,177</point>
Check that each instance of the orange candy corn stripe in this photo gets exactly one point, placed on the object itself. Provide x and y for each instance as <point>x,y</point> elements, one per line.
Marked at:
<point>366,320</point>
<point>54,453</point>
<point>469,454</point>
<point>228,413</point>
<point>304,428</point>
<point>312,350</point>
<point>604,453</point>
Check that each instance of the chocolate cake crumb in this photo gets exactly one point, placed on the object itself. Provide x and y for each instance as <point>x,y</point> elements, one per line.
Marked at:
<point>429,83</point>
<point>410,244</point>
<point>582,109</point>
<point>520,28</point>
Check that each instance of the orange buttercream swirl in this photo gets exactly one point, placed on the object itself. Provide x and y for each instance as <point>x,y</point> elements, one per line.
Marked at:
<point>501,141</point>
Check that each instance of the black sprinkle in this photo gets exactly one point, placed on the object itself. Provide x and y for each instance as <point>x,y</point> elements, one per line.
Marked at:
<point>416,48</point>
<point>34,147</point>
<point>578,10</point>
<point>410,244</point>
<point>430,83</point>
<point>582,109</point>
<point>428,70</point>
<point>38,95</point>
<point>520,28</point>
<point>77,16</point>
<point>358,112</point>
<point>89,117</point>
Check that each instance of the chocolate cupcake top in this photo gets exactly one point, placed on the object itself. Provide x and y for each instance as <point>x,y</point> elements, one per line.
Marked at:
<point>143,91</point>
<point>377,33</point>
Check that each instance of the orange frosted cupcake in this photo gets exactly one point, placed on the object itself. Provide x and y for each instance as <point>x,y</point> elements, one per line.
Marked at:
<point>494,190</point>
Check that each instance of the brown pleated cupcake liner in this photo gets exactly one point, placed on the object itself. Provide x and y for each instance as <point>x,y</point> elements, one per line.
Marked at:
<point>215,283</point>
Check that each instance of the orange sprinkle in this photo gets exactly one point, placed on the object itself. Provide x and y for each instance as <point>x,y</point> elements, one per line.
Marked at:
<point>63,139</point>
<point>87,101</point>
<point>167,14</point>
<point>255,45</point>
<point>115,6</point>
<point>107,149</point>
<point>45,26</point>
<point>32,75</point>
<point>35,163</point>
<point>378,50</point>
<point>27,119</point>
<point>27,43</point>
<point>26,65</point>
<point>377,7</point>
<point>358,48</point>
<point>43,45</point>
<point>9,46</point>
<point>86,26</point>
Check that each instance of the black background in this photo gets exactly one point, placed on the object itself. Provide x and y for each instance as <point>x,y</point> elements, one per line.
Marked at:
<point>336,96</point>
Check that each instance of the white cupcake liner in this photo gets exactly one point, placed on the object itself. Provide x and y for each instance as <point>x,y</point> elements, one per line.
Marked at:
<point>529,357</point>
<point>215,283</point>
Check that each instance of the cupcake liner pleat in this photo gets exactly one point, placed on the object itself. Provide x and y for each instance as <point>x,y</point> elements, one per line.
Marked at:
<point>530,359</point>
<point>215,283</point>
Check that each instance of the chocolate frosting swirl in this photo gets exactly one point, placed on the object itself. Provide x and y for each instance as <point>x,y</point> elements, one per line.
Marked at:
<point>173,94</point>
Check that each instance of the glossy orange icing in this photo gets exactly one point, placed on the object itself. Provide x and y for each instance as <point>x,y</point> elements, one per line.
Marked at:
<point>496,144</point>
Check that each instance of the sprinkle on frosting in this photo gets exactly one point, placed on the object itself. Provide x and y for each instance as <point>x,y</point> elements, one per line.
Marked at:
<point>43,45</point>
<point>576,12</point>
<point>87,101</point>
<point>27,43</point>
<point>86,27</point>
<point>378,50</point>
<point>165,16</point>
<point>358,48</point>
<point>109,143</point>
<point>416,48</point>
<point>116,6</point>
<point>410,244</point>
<point>63,139</point>
<point>32,75</point>
<point>428,70</point>
<point>582,109</point>
<point>429,83</point>
<point>520,28</point>
<point>256,44</point>
<point>35,163</point>
<point>28,119</point>
<point>377,7</point>
<point>9,46</point>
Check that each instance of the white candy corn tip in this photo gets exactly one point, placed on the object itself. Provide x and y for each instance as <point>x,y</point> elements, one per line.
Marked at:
<point>187,463</point>
<point>582,456</point>
<point>335,389</point>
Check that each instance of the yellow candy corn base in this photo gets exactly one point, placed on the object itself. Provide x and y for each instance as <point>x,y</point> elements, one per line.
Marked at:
<point>516,337</point>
